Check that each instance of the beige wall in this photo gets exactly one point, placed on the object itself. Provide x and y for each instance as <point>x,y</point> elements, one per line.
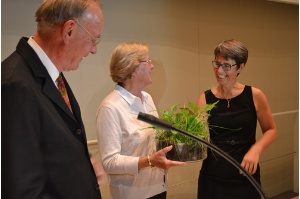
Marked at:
<point>181,36</point>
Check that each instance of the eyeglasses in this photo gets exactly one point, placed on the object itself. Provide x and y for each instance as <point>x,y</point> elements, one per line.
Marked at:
<point>96,40</point>
<point>148,62</point>
<point>225,66</point>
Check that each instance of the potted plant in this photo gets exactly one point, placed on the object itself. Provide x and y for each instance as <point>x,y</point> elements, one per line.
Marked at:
<point>191,119</point>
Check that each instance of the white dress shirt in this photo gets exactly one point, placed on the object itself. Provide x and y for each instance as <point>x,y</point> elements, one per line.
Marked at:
<point>51,68</point>
<point>122,139</point>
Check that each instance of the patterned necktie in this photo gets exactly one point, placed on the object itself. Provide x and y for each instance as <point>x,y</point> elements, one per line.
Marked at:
<point>63,91</point>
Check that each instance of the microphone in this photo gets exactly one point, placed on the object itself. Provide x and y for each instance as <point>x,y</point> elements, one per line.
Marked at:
<point>168,126</point>
<point>155,121</point>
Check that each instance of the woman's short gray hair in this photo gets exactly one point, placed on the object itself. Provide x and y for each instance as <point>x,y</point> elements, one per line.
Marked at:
<point>125,58</point>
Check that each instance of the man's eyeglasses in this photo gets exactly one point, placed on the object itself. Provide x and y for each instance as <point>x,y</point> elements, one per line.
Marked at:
<point>96,40</point>
<point>148,62</point>
<point>225,66</point>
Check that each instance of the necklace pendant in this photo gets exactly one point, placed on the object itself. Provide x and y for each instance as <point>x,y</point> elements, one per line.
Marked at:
<point>228,103</point>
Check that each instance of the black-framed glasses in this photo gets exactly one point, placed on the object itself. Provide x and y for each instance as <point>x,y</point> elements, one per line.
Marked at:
<point>96,40</point>
<point>148,61</point>
<point>225,66</point>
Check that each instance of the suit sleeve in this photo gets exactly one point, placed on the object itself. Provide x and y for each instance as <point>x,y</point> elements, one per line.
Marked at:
<point>23,170</point>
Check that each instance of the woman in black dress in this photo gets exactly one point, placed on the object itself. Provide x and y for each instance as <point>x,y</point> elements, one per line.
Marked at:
<point>233,127</point>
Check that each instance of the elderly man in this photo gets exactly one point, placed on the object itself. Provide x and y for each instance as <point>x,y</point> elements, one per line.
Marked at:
<point>44,149</point>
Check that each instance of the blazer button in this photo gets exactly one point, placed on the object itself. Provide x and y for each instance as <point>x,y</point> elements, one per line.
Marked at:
<point>78,132</point>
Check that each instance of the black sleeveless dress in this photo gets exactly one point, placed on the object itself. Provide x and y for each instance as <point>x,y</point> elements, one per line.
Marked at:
<point>233,130</point>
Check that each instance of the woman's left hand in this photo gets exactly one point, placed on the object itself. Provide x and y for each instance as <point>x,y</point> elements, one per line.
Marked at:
<point>250,161</point>
<point>159,159</point>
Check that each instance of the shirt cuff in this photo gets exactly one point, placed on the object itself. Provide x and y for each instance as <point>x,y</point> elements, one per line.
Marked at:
<point>131,165</point>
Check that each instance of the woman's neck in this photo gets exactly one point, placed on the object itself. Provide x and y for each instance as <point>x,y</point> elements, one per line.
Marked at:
<point>228,92</point>
<point>133,89</point>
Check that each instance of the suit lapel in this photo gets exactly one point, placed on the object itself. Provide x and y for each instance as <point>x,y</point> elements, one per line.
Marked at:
<point>39,71</point>
<point>51,91</point>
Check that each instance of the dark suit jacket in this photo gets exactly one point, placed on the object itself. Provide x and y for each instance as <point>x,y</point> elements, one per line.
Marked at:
<point>44,150</point>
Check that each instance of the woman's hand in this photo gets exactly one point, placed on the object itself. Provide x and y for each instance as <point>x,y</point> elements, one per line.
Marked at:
<point>250,160</point>
<point>159,159</point>
<point>100,174</point>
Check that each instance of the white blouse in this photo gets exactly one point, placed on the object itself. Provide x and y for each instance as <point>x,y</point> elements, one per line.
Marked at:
<point>122,139</point>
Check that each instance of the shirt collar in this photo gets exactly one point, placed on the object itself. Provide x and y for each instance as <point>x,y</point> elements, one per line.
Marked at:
<point>50,67</point>
<point>128,97</point>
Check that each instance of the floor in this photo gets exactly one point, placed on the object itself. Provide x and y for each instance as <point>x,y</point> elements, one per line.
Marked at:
<point>286,195</point>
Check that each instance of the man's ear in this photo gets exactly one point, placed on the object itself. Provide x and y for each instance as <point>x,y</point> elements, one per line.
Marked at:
<point>68,30</point>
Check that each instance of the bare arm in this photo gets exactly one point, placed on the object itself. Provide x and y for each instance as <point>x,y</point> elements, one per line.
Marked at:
<point>268,128</point>
<point>201,100</point>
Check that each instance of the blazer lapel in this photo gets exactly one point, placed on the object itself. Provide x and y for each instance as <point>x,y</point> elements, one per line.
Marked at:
<point>39,71</point>
<point>52,92</point>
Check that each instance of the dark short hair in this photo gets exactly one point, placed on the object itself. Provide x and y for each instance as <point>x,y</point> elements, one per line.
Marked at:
<point>232,49</point>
